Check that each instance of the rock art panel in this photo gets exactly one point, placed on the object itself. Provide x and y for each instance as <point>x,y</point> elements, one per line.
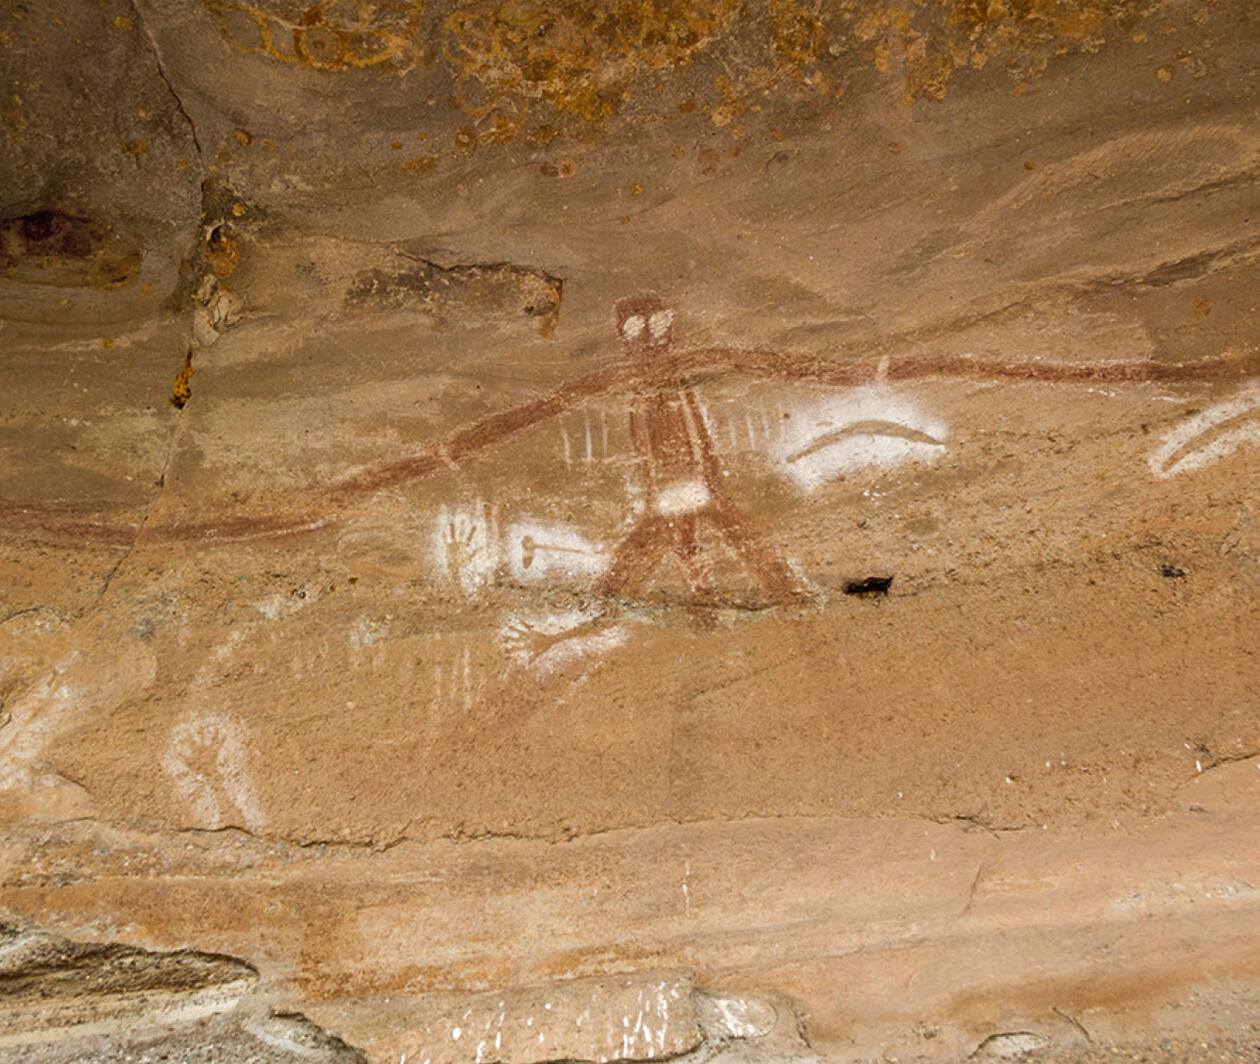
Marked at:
<point>840,419</point>
<point>420,657</point>
<point>685,514</point>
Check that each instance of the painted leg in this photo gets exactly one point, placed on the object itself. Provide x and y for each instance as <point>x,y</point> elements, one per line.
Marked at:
<point>697,570</point>
<point>635,558</point>
<point>761,560</point>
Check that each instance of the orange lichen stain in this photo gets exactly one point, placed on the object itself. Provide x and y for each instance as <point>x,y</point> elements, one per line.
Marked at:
<point>583,64</point>
<point>108,341</point>
<point>497,126</point>
<point>931,74</point>
<point>927,42</point>
<point>1202,308</point>
<point>13,119</point>
<point>733,103</point>
<point>134,148</point>
<point>1192,62</point>
<point>542,134</point>
<point>181,390</point>
<point>636,189</point>
<point>563,168</point>
<point>579,57</point>
<point>1164,74</point>
<point>379,33</point>
<point>123,24</point>
<point>416,164</point>
<point>243,137</point>
<point>797,32</point>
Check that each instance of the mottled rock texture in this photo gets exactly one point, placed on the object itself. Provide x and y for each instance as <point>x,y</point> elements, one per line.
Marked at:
<point>540,532</point>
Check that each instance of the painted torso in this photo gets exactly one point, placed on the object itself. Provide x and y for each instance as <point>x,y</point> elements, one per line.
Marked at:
<point>674,447</point>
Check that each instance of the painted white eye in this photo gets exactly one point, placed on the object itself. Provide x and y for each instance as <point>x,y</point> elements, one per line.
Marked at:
<point>660,322</point>
<point>632,326</point>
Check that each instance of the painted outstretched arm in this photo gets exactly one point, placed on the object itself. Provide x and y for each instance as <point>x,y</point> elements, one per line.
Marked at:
<point>812,369</point>
<point>497,427</point>
<point>695,364</point>
<point>485,433</point>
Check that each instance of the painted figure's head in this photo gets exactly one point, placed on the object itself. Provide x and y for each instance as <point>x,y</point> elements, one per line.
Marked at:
<point>645,325</point>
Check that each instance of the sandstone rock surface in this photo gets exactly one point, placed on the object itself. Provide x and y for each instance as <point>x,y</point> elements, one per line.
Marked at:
<point>626,531</point>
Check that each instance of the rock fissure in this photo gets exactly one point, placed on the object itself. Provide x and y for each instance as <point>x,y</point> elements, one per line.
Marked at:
<point>143,22</point>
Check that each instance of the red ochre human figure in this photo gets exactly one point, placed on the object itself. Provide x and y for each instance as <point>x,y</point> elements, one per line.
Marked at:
<point>686,505</point>
<point>685,501</point>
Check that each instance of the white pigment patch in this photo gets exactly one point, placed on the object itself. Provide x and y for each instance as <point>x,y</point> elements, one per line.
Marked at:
<point>1209,436</point>
<point>206,761</point>
<point>464,551</point>
<point>542,551</point>
<point>682,498</point>
<point>866,428</point>
<point>365,632</point>
<point>544,642</point>
<point>743,1017</point>
<point>85,682</point>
